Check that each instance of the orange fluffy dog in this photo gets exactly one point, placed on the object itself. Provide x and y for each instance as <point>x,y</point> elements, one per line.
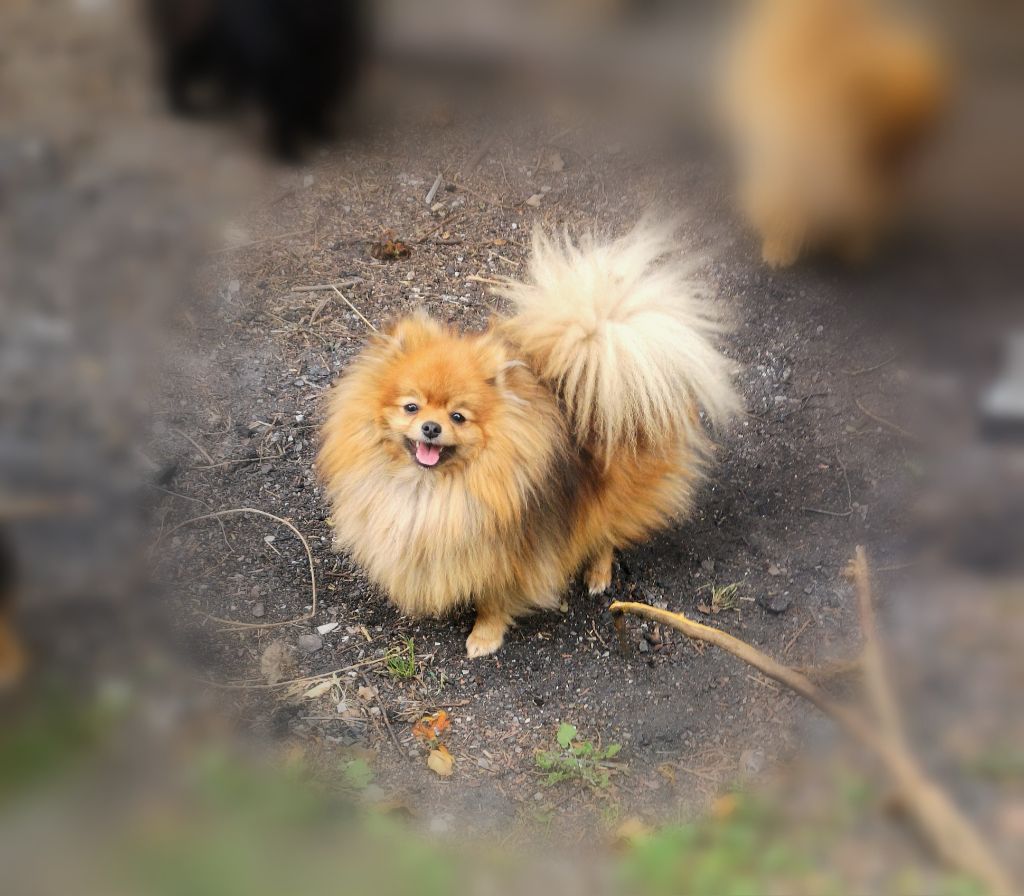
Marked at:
<point>826,101</point>
<point>489,468</point>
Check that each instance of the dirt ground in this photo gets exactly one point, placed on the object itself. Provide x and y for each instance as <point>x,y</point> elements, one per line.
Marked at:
<point>800,480</point>
<point>827,455</point>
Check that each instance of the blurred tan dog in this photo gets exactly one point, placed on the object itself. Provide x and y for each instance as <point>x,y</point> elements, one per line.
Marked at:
<point>827,102</point>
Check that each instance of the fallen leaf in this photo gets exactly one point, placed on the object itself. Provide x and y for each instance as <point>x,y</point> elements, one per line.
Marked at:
<point>276,661</point>
<point>389,249</point>
<point>430,728</point>
<point>441,762</point>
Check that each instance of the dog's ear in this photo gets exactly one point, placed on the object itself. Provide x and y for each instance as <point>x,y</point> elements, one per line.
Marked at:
<point>413,332</point>
<point>503,364</point>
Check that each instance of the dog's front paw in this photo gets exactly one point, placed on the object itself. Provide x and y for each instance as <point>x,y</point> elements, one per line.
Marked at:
<point>487,636</point>
<point>599,573</point>
<point>779,252</point>
<point>599,582</point>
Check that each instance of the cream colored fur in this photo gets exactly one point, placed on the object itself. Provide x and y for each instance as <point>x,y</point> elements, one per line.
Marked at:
<point>624,337</point>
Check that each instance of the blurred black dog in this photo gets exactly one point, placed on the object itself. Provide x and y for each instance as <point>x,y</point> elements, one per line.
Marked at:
<point>296,59</point>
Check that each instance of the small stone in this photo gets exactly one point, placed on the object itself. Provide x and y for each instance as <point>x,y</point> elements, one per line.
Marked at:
<point>534,200</point>
<point>258,610</point>
<point>776,603</point>
<point>774,570</point>
<point>310,643</point>
<point>644,647</point>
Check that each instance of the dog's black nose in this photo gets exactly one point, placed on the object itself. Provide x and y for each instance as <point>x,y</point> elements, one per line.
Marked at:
<point>431,430</point>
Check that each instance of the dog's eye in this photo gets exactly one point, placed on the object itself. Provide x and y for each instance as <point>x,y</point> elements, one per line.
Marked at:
<point>411,408</point>
<point>458,418</point>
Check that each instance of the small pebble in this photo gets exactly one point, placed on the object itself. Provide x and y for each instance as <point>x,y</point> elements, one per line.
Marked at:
<point>310,643</point>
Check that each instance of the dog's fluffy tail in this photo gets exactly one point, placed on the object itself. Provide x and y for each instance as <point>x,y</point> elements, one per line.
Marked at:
<point>625,338</point>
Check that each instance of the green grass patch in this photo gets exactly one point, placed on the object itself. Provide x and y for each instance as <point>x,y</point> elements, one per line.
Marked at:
<point>576,760</point>
<point>401,662</point>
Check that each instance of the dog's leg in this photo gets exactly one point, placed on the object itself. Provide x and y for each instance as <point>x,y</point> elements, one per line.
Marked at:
<point>782,240</point>
<point>599,572</point>
<point>488,631</point>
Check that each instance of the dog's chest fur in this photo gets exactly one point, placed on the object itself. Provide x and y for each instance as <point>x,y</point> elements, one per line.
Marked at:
<point>430,541</point>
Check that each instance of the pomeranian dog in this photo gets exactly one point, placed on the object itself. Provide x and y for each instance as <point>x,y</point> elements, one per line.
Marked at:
<point>296,59</point>
<point>827,102</point>
<point>488,468</point>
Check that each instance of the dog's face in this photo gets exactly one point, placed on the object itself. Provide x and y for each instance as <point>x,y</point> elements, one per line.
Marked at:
<point>439,394</point>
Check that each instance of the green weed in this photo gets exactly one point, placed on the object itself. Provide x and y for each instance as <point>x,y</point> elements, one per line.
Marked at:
<point>401,663</point>
<point>576,760</point>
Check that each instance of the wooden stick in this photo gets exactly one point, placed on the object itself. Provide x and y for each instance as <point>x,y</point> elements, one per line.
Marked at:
<point>875,676</point>
<point>233,624</point>
<point>202,451</point>
<point>895,427</point>
<point>356,310</point>
<point>325,287</point>
<point>951,835</point>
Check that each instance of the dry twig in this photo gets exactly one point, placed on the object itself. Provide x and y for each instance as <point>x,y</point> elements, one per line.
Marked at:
<point>359,314</point>
<point>895,427</point>
<point>875,677</point>
<point>951,835</point>
<point>326,287</point>
<point>235,625</point>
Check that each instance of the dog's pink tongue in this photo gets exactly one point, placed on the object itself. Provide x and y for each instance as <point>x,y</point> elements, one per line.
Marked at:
<point>428,455</point>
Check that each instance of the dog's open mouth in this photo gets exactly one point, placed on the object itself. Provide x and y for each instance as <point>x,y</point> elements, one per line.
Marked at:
<point>427,454</point>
